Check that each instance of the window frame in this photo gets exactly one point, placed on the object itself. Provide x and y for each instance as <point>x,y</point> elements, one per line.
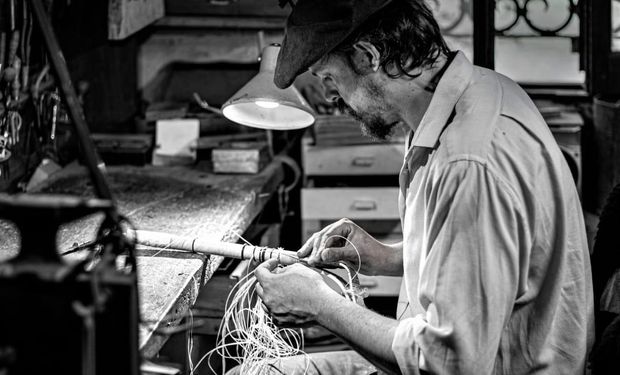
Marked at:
<point>600,63</point>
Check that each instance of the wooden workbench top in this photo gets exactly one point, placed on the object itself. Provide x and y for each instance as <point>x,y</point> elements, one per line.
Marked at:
<point>180,200</point>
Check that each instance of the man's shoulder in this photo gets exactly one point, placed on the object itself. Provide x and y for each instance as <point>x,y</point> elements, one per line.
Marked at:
<point>498,125</point>
<point>490,104</point>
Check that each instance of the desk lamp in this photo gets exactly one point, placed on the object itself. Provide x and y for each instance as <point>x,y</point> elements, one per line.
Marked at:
<point>260,104</point>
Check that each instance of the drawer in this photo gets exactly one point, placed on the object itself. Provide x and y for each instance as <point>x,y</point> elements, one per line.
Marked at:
<point>353,203</point>
<point>372,159</point>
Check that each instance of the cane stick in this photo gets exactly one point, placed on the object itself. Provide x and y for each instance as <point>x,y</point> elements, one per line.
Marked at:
<point>213,247</point>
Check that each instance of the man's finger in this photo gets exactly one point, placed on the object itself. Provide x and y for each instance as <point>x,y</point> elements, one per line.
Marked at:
<point>335,234</point>
<point>263,271</point>
<point>290,320</point>
<point>259,291</point>
<point>306,248</point>
<point>315,244</point>
<point>335,241</point>
<point>270,264</point>
<point>335,254</point>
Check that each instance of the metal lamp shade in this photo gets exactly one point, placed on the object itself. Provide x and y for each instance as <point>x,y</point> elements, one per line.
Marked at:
<point>260,104</point>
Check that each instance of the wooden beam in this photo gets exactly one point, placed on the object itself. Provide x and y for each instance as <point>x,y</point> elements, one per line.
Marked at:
<point>210,22</point>
<point>126,17</point>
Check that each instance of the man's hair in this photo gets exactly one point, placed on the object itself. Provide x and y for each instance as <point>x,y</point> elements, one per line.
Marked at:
<point>406,35</point>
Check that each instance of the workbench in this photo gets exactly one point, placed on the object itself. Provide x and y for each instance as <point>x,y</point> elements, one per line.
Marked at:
<point>180,200</point>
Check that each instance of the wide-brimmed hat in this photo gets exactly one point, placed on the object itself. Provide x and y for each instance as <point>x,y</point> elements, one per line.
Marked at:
<point>314,28</point>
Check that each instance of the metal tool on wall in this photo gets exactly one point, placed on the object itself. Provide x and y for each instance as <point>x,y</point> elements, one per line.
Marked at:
<point>14,71</point>
<point>10,118</point>
<point>24,138</point>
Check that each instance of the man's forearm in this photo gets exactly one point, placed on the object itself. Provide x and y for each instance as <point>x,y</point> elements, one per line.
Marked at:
<point>370,334</point>
<point>390,261</point>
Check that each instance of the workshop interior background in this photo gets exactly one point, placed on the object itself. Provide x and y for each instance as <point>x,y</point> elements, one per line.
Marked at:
<point>139,63</point>
<point>131,69</point>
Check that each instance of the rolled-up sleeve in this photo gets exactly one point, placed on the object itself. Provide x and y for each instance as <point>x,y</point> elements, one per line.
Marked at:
<point>468,277</point>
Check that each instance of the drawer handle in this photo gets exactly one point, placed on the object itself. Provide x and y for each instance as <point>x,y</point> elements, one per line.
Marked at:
<point>364,205</point>
<point>363,161</point>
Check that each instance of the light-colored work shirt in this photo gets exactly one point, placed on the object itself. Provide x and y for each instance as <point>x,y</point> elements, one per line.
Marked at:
<point>497,275</point>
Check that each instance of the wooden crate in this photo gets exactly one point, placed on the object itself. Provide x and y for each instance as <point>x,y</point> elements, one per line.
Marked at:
<point>241,157</point>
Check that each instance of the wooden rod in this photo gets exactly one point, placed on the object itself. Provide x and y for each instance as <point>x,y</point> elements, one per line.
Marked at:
<point>212,247</point>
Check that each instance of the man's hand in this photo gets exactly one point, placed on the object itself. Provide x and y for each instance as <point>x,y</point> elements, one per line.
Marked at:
<point>296,296</point>
<point>344,241</point>
<point>293,295</point>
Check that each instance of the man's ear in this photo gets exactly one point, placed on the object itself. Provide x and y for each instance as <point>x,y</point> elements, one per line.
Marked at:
<point>366,57</point>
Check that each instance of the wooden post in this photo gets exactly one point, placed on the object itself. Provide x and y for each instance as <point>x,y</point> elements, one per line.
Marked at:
<point>125,17</point>
<point>484,33</point>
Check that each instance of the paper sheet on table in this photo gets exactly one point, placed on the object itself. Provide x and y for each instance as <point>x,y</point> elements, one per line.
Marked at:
<point>177,137</point>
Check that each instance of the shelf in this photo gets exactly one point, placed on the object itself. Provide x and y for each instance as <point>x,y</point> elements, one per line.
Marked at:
<point>218,22</point>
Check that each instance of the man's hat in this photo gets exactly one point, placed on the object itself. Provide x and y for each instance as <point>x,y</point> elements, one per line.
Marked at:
<point>314,28</point>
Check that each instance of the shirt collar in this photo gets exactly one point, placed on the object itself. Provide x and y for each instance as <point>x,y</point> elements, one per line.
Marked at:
<point>449,90</point>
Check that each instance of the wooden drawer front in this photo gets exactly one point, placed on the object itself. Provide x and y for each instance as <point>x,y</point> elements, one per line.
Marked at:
<point>380,159</point>
<point>352,203</point>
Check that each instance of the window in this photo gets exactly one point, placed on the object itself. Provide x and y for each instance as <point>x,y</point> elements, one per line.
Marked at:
<point>535,40</point>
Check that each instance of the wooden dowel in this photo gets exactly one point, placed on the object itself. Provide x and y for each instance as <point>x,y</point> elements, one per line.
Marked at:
<point>212,247</point>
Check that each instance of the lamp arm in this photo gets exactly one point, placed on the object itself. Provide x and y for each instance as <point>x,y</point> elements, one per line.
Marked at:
<point>204,105</point>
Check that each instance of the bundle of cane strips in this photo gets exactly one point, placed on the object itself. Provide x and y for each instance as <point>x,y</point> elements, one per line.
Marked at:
<point>248,334</point>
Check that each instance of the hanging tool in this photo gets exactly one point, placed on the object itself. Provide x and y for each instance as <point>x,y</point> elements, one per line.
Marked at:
<point>55,104</point>
<point>26,34</point>
<point>14,125</point>
<point>13,46</point>
<point>12,24</point>
<point>11,122</point>
<point>2,53</point>
<point>5,155</point>
<point>16,85</point>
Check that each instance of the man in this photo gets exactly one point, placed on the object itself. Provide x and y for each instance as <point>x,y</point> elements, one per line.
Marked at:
<point>494,259</point>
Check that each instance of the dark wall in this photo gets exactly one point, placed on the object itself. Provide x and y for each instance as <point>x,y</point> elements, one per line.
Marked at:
<point>109,67</point>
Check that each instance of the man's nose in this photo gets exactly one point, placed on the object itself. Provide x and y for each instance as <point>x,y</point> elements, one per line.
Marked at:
<point>331,93</point>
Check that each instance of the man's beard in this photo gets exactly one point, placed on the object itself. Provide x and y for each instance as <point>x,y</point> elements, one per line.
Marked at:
<point>372,125</point>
